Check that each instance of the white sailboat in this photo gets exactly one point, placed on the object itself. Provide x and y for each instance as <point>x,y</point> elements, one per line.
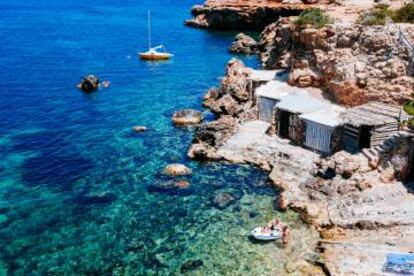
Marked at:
<point>154,53</point>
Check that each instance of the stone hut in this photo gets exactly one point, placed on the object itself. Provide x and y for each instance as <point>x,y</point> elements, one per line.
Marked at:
<point>287,115</point>
<point>323,129</point>
<point>369,125</point>
<point>267,96</point>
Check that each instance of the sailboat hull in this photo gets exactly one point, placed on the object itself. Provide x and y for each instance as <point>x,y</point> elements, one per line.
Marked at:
<point>155,56</point>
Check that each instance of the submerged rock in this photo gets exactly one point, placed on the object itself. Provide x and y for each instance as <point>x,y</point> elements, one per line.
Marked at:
<point>182,184</point>
<point>139,128</point>
<point>89,83</point>
<point>172,187</point>
<point>187,117</point>
<point>3,219</point>
<point>191,265</point>
<point>98,197</point>
<point>177,170</point>
<point>223,199</point>
<point>244,44</point>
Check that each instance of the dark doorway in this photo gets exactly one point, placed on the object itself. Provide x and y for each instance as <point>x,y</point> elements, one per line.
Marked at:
<point>365,137</point>
<point>284,119</point>
<point>411,173</point>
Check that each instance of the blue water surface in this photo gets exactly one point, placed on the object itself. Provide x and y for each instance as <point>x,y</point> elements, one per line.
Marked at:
<point>75,181</point>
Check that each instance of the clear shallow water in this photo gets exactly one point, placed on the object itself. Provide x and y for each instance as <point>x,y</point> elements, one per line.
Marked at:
<point>60,147</point>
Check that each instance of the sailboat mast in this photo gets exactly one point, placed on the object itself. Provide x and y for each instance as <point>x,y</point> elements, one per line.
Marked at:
<point>149,29</point>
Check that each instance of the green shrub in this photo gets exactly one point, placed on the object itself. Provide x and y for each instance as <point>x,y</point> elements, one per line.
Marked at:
<point>409,108</point>
<point>405,14</point>
<point>314,17</point>
<point>376,16</point>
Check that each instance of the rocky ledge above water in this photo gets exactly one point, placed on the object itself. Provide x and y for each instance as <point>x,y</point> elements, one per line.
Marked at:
<point>243,14</point>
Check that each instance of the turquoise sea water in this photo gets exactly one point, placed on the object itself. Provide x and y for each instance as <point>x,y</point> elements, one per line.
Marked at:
<point>77,186</point>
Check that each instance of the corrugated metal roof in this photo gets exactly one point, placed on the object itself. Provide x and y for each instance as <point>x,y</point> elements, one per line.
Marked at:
<point>275,90</point>
<point>263,75</point>
<point>328,117</point>
<point>372,114</point>
<point>302,103</point>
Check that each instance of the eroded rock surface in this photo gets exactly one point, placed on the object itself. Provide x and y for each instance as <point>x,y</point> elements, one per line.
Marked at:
<point>243,14</point>
<point>356,64</point>
<point>232,104</point>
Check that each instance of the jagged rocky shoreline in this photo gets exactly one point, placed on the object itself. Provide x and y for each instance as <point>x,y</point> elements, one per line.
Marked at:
<point>360,203</point>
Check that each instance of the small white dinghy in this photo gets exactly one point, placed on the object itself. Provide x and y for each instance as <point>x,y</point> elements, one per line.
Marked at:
<point>260,233</point>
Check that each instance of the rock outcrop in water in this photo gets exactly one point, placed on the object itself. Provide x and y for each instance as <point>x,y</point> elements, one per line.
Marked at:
<point>139,128</point>
<point>89,83</point>
<point>354,63</point>
<point>244,44</point>
<point>187,117</point>
<point>177,170</point>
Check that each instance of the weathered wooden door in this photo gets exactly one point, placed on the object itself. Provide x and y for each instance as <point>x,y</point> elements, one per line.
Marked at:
<point>318,137</point>
<point>266,107</point>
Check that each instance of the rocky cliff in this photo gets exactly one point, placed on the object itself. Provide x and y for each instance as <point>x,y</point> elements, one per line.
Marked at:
<point>354,63</point>
<point>244,14</point>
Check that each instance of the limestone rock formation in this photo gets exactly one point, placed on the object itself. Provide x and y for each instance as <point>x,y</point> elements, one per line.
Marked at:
<point>243,14</point>
<point>355,64</point>
<point>232,104</point>
<point>244,44</point>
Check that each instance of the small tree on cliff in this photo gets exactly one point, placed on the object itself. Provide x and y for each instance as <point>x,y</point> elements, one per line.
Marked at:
<point>314,17</point>
<point>405,14</point>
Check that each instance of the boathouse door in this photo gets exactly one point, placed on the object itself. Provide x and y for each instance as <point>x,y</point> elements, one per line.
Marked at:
<point>318,137</point>
<point>365,137</point>
<point>284,122</point>
<point>266,107</point>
